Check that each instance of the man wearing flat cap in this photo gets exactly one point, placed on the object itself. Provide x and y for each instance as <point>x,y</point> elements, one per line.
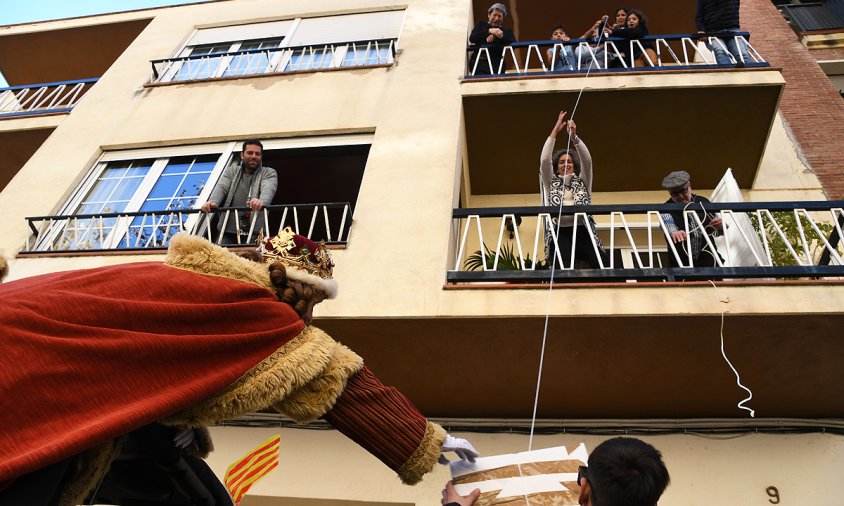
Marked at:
<point>691,239</point>
<point>494,37</point>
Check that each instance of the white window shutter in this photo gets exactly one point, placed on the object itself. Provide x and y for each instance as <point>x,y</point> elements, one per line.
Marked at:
<point>347,28</point>
<point>254,31</point>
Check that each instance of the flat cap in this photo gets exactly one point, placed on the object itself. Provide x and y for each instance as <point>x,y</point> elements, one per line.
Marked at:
<point>675,179</point>
<point>498,6</point>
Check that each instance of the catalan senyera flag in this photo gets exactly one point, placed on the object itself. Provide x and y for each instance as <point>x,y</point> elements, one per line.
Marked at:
<point>252,467</point>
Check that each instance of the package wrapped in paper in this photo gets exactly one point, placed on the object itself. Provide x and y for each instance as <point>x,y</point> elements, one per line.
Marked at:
<point>534,478</point>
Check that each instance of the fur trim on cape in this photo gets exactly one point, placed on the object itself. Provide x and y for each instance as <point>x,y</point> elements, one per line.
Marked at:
<point>198,255</point>
<point>93,465</point>
<point>425,457</point>
<point>302,360</point>
<point>318,396</point>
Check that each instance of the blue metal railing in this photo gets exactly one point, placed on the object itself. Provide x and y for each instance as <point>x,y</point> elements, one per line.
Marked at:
<point>43,98</point>
<point>660,52</point>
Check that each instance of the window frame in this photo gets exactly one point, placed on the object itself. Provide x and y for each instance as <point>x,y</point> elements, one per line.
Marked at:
<point>161,156</point>
<point>284,57</point>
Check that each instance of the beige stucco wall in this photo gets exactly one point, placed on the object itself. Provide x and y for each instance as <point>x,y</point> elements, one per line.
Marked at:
<point>705,470</point>
<point>399,248</point>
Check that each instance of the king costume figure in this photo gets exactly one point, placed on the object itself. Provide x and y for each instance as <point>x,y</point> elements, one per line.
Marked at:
<point>92,355</point>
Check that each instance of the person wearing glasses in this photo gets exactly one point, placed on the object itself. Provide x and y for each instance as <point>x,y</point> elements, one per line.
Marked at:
<point>622,471</point>
<point>689,239</point>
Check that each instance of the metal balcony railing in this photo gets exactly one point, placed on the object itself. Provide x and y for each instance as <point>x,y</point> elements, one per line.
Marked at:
<point>674,51</point>
<point>43,98</point>
<point>275,60</point>
<point>791,236</point>
<point>151,230</point>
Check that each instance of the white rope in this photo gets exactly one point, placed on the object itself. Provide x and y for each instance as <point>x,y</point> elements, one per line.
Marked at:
<point>741,404</point>
<point>554,266</point>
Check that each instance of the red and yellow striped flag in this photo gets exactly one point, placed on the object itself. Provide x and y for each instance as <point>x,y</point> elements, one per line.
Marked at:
<point>252,467</point>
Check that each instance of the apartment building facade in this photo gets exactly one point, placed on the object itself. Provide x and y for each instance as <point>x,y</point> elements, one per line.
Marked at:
<point>391,148</point>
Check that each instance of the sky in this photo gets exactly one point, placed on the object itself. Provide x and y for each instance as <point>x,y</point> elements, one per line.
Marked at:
<point>25,11</point>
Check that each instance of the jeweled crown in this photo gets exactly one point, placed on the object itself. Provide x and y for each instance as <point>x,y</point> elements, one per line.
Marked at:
<point>297,251</point>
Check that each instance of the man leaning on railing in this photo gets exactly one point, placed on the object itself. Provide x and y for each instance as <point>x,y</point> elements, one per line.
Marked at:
<point>690,241</point>
<point>251,184</point>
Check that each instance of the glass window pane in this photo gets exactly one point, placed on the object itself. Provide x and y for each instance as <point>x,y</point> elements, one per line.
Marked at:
<point>101,190</point>
<point>166,186</point>
<point>155,205</point>
<point>193,185</point>
<point>179,165</point>
<point>203,164</point>
<point>204,67</point>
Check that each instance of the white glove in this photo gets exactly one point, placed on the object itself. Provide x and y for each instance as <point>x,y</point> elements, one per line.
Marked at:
<point>460,446</point>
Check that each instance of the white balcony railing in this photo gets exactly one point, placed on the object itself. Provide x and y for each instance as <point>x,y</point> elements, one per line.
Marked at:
<point>329,222</point>
<point>675,52</point>
<point>43,98</point>
<point>275,60</point>
<point>791,240</point>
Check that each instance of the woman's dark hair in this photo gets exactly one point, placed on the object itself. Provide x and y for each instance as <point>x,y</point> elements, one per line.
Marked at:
<point>574,159</point>
<point>643,20</point>
<point>625,9</point>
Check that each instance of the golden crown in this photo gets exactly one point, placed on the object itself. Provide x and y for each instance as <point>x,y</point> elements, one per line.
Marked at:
<point>297,251</point>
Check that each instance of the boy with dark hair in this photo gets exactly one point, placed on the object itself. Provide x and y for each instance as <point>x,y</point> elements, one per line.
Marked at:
<point>623,472</point>
<point>560,57</point>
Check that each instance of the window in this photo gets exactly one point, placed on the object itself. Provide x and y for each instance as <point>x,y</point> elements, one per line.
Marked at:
<point>167,183</point>
<point>138,199</point>
<point>283,46</point>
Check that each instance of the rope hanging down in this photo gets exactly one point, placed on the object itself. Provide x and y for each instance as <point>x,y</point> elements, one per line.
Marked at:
<point>551,287</point>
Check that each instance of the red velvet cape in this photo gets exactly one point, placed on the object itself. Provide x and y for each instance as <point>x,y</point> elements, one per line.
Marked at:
<point>89,355</point>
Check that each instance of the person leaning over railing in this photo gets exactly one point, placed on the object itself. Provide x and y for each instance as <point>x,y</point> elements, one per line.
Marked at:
<point>249,183</point>
<point>635,28</point>
<point>494,36</point>
<point>560,57</point>
<point>720,18</point>
<point>679,188</point>
<point>566,177</point>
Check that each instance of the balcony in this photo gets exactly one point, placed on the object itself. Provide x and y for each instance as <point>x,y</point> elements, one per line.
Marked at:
<point>152,230</point>
<point>284,60</point>
<point>42,99</point>
<point>790,242</point>
<point>682,112</point>
<point>670,52</point>
<point>66,50</point>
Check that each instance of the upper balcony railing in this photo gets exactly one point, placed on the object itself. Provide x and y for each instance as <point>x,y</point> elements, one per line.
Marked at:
<point>275,60</point>
<point>152,230</point>
<point>761,240</point>
<point>43,98</point>
<point>674,52</point>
